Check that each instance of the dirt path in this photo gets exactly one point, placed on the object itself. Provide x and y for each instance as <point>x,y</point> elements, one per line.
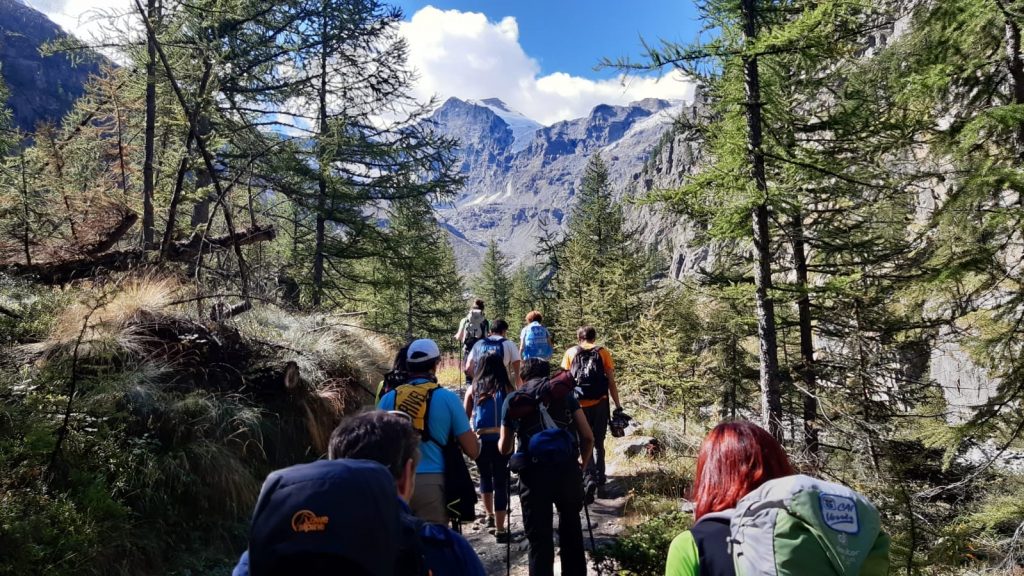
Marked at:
<point>605,518</point>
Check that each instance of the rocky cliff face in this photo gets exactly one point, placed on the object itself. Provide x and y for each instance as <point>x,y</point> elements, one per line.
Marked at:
<point>42,88</point>
<point>521,177</point>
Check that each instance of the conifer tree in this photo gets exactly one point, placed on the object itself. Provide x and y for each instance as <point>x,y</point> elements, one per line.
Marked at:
<point>599,269</point>
<point>493,284</point>
<point>526,294</point>
<point>415,290</point>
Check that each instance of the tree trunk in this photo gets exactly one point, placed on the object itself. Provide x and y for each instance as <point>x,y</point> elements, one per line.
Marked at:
<point>1015,67</point>
<point>321,201</point>
<point>771,398</point>
<point>807,368</point>
<point>148,181</point>
<point>27,226</point>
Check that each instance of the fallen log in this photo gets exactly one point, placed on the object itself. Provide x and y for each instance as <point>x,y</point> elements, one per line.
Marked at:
<point>64,271</point>
<point>128,220</point>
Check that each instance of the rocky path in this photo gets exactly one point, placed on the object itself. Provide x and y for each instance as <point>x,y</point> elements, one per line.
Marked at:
<point>605,518</point>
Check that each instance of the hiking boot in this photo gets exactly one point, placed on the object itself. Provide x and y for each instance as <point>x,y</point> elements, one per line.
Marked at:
<point>489,522</point>
<point>589,491</point>
<point>503,537</point>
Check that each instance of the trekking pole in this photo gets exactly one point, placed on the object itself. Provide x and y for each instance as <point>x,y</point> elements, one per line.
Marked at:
<point>590,529</point>
<point>508,527</point>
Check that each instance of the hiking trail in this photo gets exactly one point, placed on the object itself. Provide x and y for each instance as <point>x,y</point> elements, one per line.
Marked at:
<point>606,518</point>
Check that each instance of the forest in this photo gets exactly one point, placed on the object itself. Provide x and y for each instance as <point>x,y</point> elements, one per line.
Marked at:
<point>214,255</point>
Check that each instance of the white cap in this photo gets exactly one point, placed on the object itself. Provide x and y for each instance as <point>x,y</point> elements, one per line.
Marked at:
<point>422,350</point>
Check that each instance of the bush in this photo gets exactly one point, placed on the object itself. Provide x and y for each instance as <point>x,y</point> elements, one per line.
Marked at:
<point>644,548</point>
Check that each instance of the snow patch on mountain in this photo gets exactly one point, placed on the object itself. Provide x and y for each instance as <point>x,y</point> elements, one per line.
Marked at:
<point>523,128</point>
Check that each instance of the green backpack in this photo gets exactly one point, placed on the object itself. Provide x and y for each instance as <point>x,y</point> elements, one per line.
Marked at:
<point>798,525</point>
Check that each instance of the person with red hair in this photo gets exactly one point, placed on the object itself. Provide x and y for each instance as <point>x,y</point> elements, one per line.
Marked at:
<point>735,459</point>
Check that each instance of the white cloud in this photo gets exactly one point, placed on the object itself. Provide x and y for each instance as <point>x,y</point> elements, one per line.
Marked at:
<point>464,54</point>
<point>89,20</point>
<point>455,53</point>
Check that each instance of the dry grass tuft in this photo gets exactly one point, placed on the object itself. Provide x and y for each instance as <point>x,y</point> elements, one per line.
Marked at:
<point>109,324</point>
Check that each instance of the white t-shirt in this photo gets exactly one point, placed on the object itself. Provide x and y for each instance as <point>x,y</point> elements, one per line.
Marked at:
<point>509,355</point>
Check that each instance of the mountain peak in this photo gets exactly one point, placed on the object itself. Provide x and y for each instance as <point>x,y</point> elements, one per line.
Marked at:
<point>496,103</point>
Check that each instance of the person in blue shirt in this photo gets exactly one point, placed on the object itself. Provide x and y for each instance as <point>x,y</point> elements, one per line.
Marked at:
<point>438,415</point>
<point>374,530</point>
<point>534,339</point>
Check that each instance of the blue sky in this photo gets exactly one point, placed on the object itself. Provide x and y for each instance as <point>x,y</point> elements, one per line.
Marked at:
<point>536,55</point>
<point>573,35</point>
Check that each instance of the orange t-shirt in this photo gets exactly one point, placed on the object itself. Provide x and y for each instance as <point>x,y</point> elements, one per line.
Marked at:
<point>606,359</point>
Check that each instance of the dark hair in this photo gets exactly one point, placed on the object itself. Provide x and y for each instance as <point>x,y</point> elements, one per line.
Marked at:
<point>534,316</point>
<point>534,368</point>
<point>491,376</point>
<point>399,363</point>
<point>379,436</point>
<point>499,326</point>
<point>586,333</point>
<point>478,304</point>
<point>735,458</point>
<point>422,366</point>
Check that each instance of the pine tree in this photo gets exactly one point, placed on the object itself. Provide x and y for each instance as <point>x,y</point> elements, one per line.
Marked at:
<point>493,284</point>
<point>599,269</point>
<point>526,294</point>
<point>414,291</point>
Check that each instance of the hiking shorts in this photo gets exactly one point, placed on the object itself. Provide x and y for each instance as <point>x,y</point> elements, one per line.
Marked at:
<point>428,498</point>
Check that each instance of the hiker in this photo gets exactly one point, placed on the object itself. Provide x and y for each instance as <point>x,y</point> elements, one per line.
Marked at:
<point>483,403</point>
<point>743,487</point>
<point>471,329</point>
<point>496,343</point>
<point>386,438</point>
<point>555,445</point>
<point>592,367</point>
<point>389,438</point>
<point>534,339</point>
<point>325,517</point>
<point>439,417</point>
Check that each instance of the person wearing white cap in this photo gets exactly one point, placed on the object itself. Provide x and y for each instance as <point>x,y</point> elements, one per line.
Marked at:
<point>439,416</point>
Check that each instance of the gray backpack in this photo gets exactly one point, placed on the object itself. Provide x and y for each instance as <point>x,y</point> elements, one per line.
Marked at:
<point>798,525</point>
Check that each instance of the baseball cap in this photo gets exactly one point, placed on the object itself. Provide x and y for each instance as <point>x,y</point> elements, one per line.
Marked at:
<point>343,515</point>
<point>422,349</point>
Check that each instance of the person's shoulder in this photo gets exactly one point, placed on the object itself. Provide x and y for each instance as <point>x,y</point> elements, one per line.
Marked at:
<point>387,401</point>
<point>683,556</point>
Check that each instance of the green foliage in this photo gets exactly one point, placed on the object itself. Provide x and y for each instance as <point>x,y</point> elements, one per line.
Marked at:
<point>600,271</point>
<point>642,549</point>
<point>526,294</point>
<point>493,284</point>
<point>414,291</point>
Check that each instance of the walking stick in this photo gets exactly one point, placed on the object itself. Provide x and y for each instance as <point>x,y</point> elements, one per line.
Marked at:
<point>508,527</point>
<point>590,529</point>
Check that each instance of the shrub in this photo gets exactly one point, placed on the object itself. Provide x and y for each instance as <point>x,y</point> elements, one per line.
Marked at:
<point>643,549</point>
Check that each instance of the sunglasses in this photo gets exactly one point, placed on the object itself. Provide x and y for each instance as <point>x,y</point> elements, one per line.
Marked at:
<point>401,415</point>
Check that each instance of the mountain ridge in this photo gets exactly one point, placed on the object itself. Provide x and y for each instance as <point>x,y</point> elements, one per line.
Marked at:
<point>517,191</point>
<point>42,88</point>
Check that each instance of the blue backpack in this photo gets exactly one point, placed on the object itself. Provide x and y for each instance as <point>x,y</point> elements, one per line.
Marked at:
<point>488,347</point>
<point>487,414</point>
<point>535,342</point>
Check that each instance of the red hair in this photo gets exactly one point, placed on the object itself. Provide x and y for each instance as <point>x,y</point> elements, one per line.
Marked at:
<point>735,458</point>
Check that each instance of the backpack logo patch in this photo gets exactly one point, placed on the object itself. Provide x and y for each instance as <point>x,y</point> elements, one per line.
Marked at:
<point>840,513</point>
<point>307,521</point>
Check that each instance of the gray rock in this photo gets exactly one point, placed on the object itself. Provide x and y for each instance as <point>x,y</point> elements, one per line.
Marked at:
<point>634,446</point>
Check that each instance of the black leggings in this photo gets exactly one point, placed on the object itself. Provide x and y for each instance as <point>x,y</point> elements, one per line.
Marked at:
<point>493,467</point>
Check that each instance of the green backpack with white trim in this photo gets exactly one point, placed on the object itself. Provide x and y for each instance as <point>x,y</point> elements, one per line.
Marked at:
<point>799,526</point>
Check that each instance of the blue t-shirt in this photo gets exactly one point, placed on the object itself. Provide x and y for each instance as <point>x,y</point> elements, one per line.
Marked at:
<point>446,417</point>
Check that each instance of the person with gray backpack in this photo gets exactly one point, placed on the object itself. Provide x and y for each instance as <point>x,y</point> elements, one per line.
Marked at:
<point>472,329</point>
<point>755,517</point>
